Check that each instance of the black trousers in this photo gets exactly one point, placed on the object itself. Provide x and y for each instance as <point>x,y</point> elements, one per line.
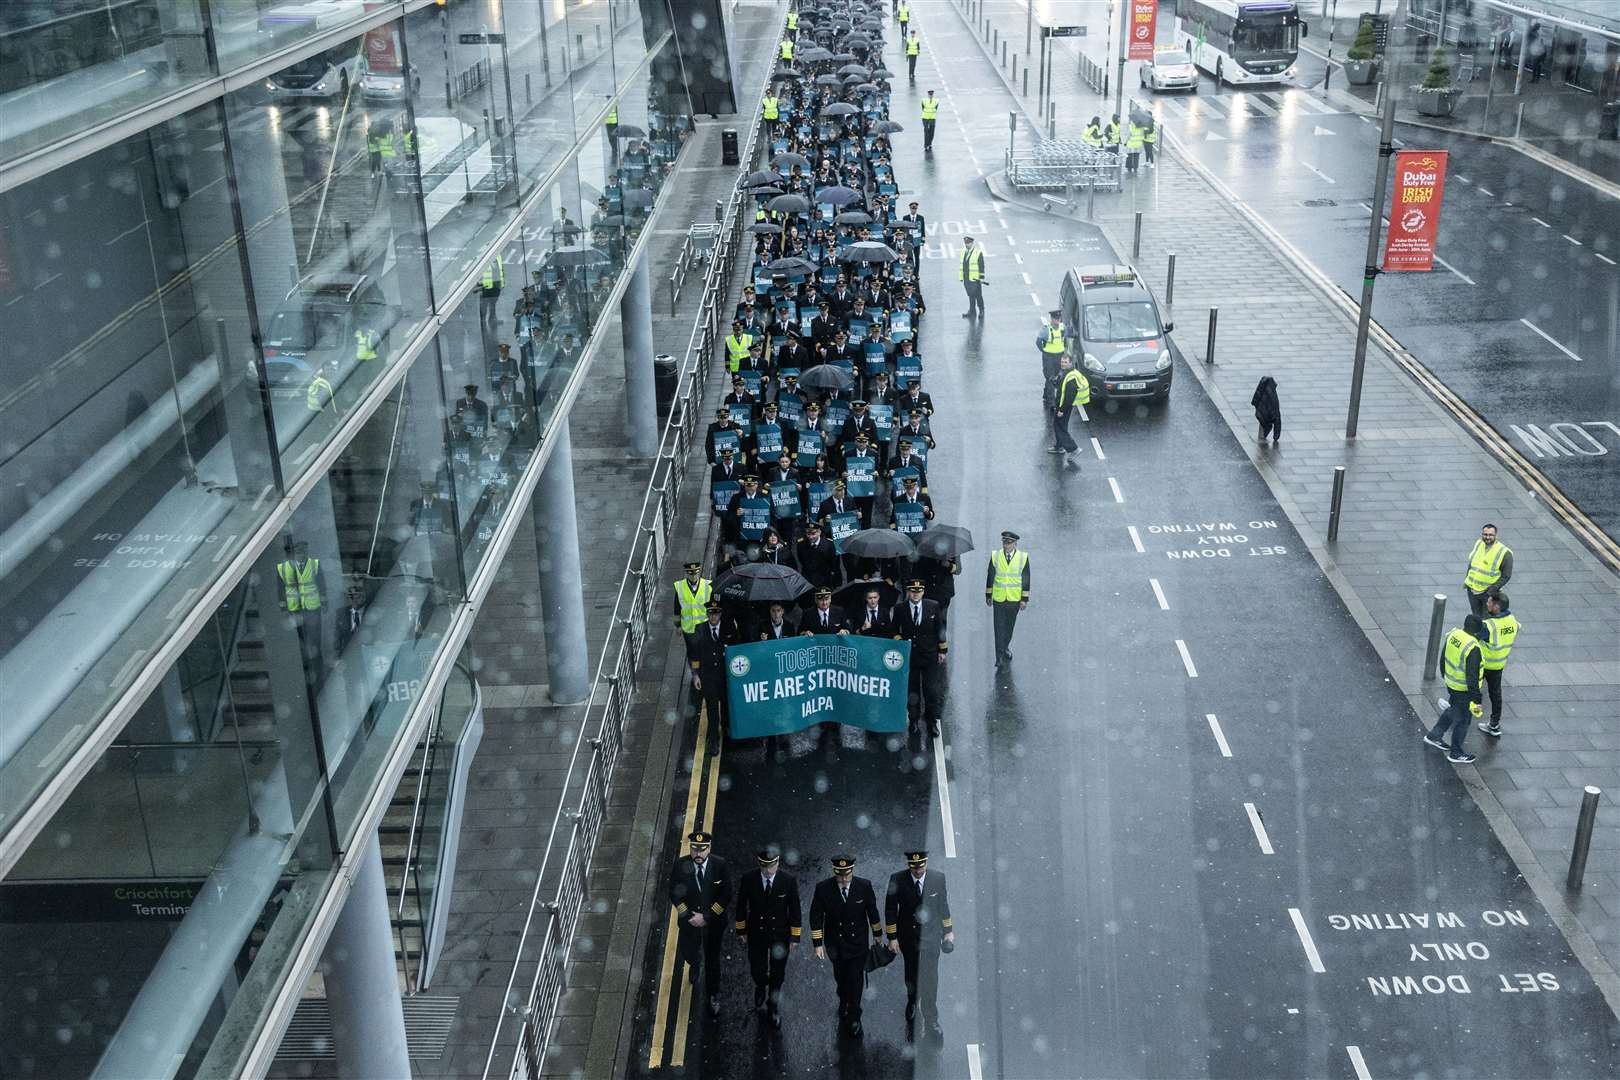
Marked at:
<point>767,961</point>
<point>928,134</point>
<point>1476,602</point>
<point>850,975</point>
<point>1271,429</point>
<point>1493,685</point>
<point>1049,373</point>
<point>713,697</point>
<point>911,67</point>
<point>1006,617</point>
<point>1060,430</point>
<point>922,978</point>
<point>975,296</point>
<point>925,688</point>
<point>700,946</point>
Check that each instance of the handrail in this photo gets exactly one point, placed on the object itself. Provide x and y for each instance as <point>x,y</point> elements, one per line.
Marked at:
<point>407,877</point>
<point>613,687</point>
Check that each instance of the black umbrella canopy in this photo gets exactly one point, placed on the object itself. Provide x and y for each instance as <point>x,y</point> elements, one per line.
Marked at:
<point>854,80</point>
<point>879,544</point>
<point>758,177</point>
<point>577,256</point>
<point>882,73</point>
<point>786,73</point>
<point>765,189</point>
<point>854,69</point>
<point>887,127</point>
<point>837,195</point>
<point>853,217</point>
<point>629,131</point>
<point>839,108</point>
<point>829,80</point>
<point>761,581</point>
<point>787,159</point>
<point>764,227</point>
<point>791,266</point>
<point>865,87</point>
<point>815,54</point>
<point>858,41</point>
<point>868,251</point>
<point>826,377</point>
<point>944,542</point>
<point>789,204</point>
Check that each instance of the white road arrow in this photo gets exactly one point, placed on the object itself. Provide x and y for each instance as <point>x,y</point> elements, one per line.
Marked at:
<point>1320,130</point>
<point>1212,137</point>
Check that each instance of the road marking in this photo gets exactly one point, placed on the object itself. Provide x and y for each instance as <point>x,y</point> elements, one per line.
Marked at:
<point>1186,659</point>
<point>1572,240</point>
<point>1358,1063</point>
<point>1319,172</point>
<point>1012,241</point>
<point>225,548</point>
<point>1136,538</point>
<point>1550,338</point>
<point>1113,485</point>
<point>975,1066</point>
<point>1464,180</point>
<point>1604,257</point>
<point>1158,594</point>
<point>1020,259</point>
<point>1026,277</point>
<point>947,819</point>
<point>184,601</point>
<point>1365,206</point>
<point>1220,736</point>
<point>1037,299</point>
<point>1086,419</point>
<point>1543,224</point>
<point>1486,191</point>
<point>1304,933</point>
<point>1454,270</point>
<point>1259,828</point>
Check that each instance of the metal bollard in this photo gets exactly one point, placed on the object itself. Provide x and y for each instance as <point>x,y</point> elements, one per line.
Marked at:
<point>1170,286</point>
<point>528,88</point>
<point>1583,836</point>
<point>1338,500</point>
<point>1091,201</point>
<point>1136,237</point>
<point>1209,346</point>
<point>1518,122</point>
<point>579,43</point>
<point>1003,52</point>
<point>1026,80</point>
<point>348,243</point>
<point>1437,629</point>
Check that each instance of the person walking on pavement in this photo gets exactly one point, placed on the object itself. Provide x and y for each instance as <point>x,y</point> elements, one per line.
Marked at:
<point>844,920</point>
<point>1150,140</point>
<point>913,47</point>
<point>1490,565</point>
<point>903,13</point>
<point>930,116</point>
<point>971,274</point>
<point>1267,409</point>
<point>1111,135</point>
<point>700,891</point>
<point>1073,389</point>
<point>1050,340</point>
<point>692,595</point>
<point>922,622</point>
<point>768,925</point>
<point>917,919</point>
<point>1006,591</point>
<point>1461,662</point>
<point>1501,631</point>
<point>706,652</point>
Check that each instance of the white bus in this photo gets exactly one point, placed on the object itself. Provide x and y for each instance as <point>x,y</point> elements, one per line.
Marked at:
<point>1242,42</point>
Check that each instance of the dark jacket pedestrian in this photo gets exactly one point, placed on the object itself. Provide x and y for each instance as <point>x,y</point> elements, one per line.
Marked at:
<point>1267,409</point>
<point>844,920</point>
<point>917,918</point>
<point>700,890</point>
<point>769,925</point>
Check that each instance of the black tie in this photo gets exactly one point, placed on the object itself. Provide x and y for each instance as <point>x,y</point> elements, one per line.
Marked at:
<point>700,875</point>
<point>916,614</point>
<point>844,889</point>
<point>919,888</point>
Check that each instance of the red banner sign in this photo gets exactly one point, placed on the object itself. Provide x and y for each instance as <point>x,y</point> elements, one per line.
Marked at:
<point>1414,219</point>
<point>1144,23</point>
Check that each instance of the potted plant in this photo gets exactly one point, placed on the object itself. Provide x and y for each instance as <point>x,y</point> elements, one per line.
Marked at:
<point>1361,66</point>
<point>1437,96</point>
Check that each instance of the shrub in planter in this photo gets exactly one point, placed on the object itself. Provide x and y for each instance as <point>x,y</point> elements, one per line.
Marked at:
<point>1361,66</point>
<point>1436,96</point>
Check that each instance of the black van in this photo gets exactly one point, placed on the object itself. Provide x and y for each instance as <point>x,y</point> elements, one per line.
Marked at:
<point>1118,337</point>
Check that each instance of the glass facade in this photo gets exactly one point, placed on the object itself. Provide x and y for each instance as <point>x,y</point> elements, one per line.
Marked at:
<point>193,315</point>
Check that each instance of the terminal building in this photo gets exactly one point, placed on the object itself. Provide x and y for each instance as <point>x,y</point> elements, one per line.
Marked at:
<point>261,455</point>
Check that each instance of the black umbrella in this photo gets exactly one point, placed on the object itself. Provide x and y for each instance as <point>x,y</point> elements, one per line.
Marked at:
<point>760,176</point>
<point>887,127</point>
<point>882,73</point>
<point>577,256</point>
<point>858,41</point>
<point>761,582</point>
<point>878,956</point>
<point>854,69</point>
<point>786,73</point>
<point>826,377</point>
<point>843,57</point>
<point>839,108</point>
<point>868,251</point>
<point>789,204</point>
<point>853,217</point>
<point>852,597</point>
<point>764,227</point>
<point>629,131</point>
<point>853,80</point>
<point>792,266</point>
<point>765,189</point>
<point>865,88</point>
<point>788,159</point>
<point>837,195</point>
<point>944,542</point>
<point>879,544</point>
<point>815,54</point>
<point>829,80</point>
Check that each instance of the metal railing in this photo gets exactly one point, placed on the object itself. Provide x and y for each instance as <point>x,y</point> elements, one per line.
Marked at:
<point>1093,74</point>
<point>546,942</point>
<point>410,878</point>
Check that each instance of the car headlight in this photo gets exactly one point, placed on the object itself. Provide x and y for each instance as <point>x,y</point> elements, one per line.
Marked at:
<point>1164,361</point>
<point>1091,363</point>
<point>321,86</point>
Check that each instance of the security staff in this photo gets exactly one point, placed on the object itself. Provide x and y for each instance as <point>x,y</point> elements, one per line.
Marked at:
<point>917,918</point>
<point>302,590</point>
<point>913,47</point>
<point>1135,139</point>
<point>1050,340</point>
<point>706,653</point>
<point>378,137</point>
<point>770,111</point>
<point>1490,565</point>
<point>793,24</point>
<point>767,922</point>
<point>903,13</point>
<point>700,889</point>
<point>930,114</point>
<point>1092,136</point>
<point>692,597</point>
<point>844,920</point>
<point>921,621</point>
<point>1501,631</point>
<point>1006,590</point>
<point>786,52</point>
<point>971,274</point>
<point>1150,140</point>
<point>737,343</point>
<point>490,284</point>
<point>1073,389</point>
<point>1111,134</point>
<point>1461,661</point>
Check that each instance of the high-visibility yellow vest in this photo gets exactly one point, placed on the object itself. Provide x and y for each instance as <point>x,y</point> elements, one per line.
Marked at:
<point>300,584</point>
<point>1092,136</point>
<point>769,104</point>
<point>930,108</point>
<point>319,394</point>
<point>1459,643</point>
<point>905,14</point>
<point>385,146</point>
<point>1151,135</point>
<point>1133,141</point>
<point>365,344</point>
<point>612,116</point>
<point>737,350</point>
<point>1484,566</point>
<point>913,46</point>
<point>376,141</point>
<point>1054,340</point>
<point>409,141</point>
<point>694,603</point>
<point>973,263</point>
<point>793,20</point>
<point>1500,632</point>
<point>494,274</point>
<point>1074,389</point>
<point>787,49</point>
<point>1111,134</point>
<point>1008,583</point>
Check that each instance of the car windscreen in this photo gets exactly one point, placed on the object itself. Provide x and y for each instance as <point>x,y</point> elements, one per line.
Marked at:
<point>291,328</point>
<point>1171,58</point>
<point>1131,320</point>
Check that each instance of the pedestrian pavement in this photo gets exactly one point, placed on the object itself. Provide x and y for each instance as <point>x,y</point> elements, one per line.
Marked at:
<point>1417,489</point>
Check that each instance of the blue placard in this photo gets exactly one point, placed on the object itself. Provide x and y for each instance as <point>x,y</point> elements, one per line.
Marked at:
<point>722,492</point>
<point>810,444</point>
<point>906,368</point>
<point>752,378</point>
<point>785,500</point>
<point>860,475</point>
<point>842,527</point>
<point>835,412</point>
<point>817,494</point>
<point>768,440</point>
<point>790,409</point>
<point>883,419</point>
<point>753,516</point>
<point>897,478</point>
<point>908,518</point>
<point>731,438</point>
<point>900,325</point>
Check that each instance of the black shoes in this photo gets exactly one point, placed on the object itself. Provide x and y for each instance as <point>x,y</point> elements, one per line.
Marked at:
<point>854,1030</point>
<point>1494,730</point>
<point>933,728</point>
<point>760,999</point>
<point>1436,743</point>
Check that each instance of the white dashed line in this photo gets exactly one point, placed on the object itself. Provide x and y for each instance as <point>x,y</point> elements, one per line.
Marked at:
<point>1304,933</point>
<point>1358,1063</point>
<point>1464,180</point>
<point>1220,736</point>
<point>1020,259</point>
<point>947,819</point>
<point>975,1066</point>
<point>1487,191</point>
<point>1259,828</point>
<point>1096,448</point>
<point>1186,659</point>
<point>1549,338</point>
<point>1158,594</point>
<point>1604,257</point>
<point>1572,240</point>
<point>1454,270</point>
<point>1319,172</point>
<point>1037,300</point>
<point>1027,281</point>
<point>1543,224</point>
<point>1113,485</point>
<point>1136,538</point>
<point>1013,241</point>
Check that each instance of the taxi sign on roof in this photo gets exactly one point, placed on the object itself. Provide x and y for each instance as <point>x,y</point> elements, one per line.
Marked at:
<point>1108,279</point>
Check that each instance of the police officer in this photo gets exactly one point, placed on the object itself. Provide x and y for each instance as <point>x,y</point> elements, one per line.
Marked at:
<point>844,920</point>
<point>1006,591</point>
<point>1050,340</point>
<point>971,274</point>
<point>1490,564</point>
<point>768,924</point>
<point>913,47</point>
<point>692,596</point>
<point>706,653</point>
<point>930,115</point>
<point>1461,660</point>
<point>921,621</point>
<point>700,889</point>
<point>1072,389</point>
<point>917,918</point>
<point>1501,631</point>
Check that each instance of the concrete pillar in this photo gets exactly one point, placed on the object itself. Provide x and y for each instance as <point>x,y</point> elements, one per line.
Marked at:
<point>640,397</point>
<point>362,986</point>
<point>562,601</point>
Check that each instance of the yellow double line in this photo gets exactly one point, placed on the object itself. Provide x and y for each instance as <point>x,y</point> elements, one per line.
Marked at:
<point>705,777</point>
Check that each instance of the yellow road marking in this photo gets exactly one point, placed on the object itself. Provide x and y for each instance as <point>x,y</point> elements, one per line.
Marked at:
<point>677,1056</point>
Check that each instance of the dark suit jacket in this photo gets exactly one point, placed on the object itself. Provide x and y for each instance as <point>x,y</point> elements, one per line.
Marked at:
<point>706,652</point>
<point>769,918</point>
<point>818,562</point>
<point>881,626</point>
<point>809,621</point>
<point>913,918</point>
<point>829,507</point>
<point>928,640</point>
<point>845,928</point>
<point>712,899</point>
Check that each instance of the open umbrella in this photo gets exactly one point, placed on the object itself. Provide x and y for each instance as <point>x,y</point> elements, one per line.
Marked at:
<point>944,542</point>
<point>865,88</point>
<point>886,127</point>
<point>826,377</point>
<point>854,80</point>
<point>829,80</point>
<point>793,266</point>
<point>868,251</point>
<point>761,582</point>
<point>882,73</point>
<point>786,73</point>
<point>853,217</point>
<point>843,57</point>
<point>759,176</point>
<point>577,256</point>
<point>854,69</point>
<point>787,159</point>
<point>858,41</point>
<point>789,204</point>
<point>837,195</point>
<point>879,544</point>
<point>764,227</point>
<point>815,54</point>
<point>839,108</point>
<point>629,131</point>
<point>765,189</point>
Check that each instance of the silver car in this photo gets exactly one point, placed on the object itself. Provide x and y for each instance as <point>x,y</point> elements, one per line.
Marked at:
<point>1170,69</point>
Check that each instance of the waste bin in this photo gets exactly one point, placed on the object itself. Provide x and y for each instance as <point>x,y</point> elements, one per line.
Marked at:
<point>666,376</point>
<point>728,147</point>
<point>1609,121</point>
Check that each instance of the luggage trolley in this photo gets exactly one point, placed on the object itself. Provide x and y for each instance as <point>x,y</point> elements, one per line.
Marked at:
<point>700,243</point>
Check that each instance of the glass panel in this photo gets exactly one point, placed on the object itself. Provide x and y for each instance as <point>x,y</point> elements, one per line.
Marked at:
<point>590,56</point>
<point>463,121</point>
<point>68,64</point>
<point>541,94</point>
<point>326,175</point>
<point>245,30</point>
<point>134,456</point>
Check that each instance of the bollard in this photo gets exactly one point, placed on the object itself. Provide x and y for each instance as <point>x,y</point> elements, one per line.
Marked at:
<point>348,243</point>
<point>1170,286</point>
<point>1209,346</point>
<point>1003,52</point>
<point>1136,237</point>
<point>599,35</point>
<point>1026,80</point>
<point>1437,627</point>
<point>1091,200</point>
<point>579,44</point>
<point>1338,500</point>
<point>1519,122</point>
<point>1583,836</point>
<point>1014,67</point>
<point>528,89</point>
